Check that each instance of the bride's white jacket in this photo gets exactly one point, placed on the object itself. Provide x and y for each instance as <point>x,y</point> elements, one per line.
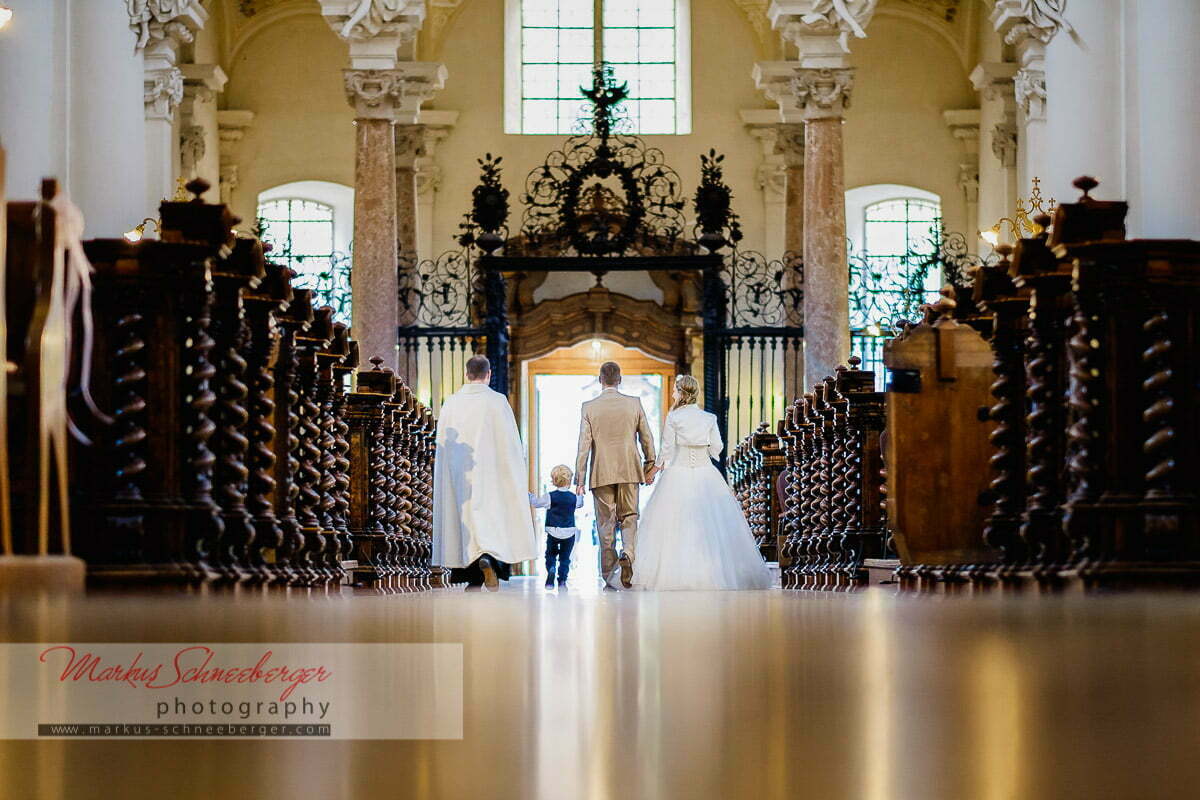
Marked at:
<point>689,427</point>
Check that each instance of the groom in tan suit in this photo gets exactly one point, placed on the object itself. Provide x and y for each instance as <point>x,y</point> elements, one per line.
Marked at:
<point>612,426</point>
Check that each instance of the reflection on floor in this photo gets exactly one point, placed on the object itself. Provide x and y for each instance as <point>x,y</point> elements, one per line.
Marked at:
<point>696,696</point>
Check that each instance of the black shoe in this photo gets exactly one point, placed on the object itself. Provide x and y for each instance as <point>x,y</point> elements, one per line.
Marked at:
<point>562,583</point>
<point>550,582</point>
<point>490,579</point>
<point>626,572</point>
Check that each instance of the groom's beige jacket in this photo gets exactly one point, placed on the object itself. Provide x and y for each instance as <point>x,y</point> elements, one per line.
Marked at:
<point>612,426</point>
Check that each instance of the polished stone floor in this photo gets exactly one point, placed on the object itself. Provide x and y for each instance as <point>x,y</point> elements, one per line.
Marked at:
<point>719,696</point>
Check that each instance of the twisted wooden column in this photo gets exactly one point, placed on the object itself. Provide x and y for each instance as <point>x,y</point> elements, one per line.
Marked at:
<point>263,304</point>
<point>343,369</point>
<point>317,558</point>
<point>1045,422</point>
<point>291,560</point>
<point>242,270</point>
<point>995,292</point>
<point>364,415</point>
<point>864,424</point>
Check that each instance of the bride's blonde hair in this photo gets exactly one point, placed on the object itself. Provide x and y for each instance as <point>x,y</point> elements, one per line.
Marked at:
<point>689,391</point>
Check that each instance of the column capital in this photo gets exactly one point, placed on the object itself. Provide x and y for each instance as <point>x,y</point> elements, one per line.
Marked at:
<point>823,93</point>
<point>1022,22</point>
<point>774,80</point>
<point>994,79</point>
<point>394,94</point>
<point>162,92</point>
<point>360,20</point>
<point>165,22</point>
<point>203,81</point>
<point>771,173</point>
<point>1004,143</point>
<point>805,23</point>
<point>1029,87</point>
<point>789,143</point>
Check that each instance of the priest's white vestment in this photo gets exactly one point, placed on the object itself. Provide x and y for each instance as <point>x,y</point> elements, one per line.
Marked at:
<point>480,499</point>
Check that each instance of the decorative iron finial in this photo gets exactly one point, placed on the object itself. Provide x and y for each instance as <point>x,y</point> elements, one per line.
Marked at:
<point>605,95</point>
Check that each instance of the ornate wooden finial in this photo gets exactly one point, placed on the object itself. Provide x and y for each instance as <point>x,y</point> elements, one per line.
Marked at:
<point>1004,251</point>
<point>197,187</point>
<point>377,362</point>
<point>1043,222</point>
<point>941,311</point>
<point>854,362</point>
<point>1085,183</point>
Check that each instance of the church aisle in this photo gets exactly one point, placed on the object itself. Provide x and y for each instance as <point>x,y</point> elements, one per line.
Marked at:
<point>698,696</point>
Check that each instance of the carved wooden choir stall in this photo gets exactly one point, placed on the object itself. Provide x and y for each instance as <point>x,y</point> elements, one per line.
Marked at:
<point>1041,433</point>
<point>230,451</point>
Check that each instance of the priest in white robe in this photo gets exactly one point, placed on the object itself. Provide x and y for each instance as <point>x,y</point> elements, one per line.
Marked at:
<point>481,518</point>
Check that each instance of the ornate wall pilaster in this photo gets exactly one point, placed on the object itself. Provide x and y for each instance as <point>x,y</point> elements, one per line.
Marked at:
<point>964,125</point>
<point>162,27</point>
<point>1027,26</point>
<point>999,140</point>
<point>232,125</point>
<point>199,151</point>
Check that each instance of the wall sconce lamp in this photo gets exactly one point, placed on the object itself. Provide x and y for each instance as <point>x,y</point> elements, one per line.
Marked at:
<point>1021,224</point>
<point>138,231</point>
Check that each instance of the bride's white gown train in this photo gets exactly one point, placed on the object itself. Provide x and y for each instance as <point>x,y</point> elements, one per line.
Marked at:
<point>693,534</point>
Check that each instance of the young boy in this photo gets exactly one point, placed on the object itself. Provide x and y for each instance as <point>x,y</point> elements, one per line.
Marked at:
<point>561,532</point>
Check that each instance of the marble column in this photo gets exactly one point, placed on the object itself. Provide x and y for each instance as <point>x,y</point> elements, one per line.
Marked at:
<point>1085,125</point>
<point>997,142</point>
<point>790,144</point>
<point>1163,62</point>
<point>374,287</point>
<point>409,139</point>
<point>823,94</point>
<point>106,174</point>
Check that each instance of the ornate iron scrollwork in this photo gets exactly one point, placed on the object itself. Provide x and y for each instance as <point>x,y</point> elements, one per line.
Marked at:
<point>604,193</point>
<point>758,291</point>
<point>880,298</point>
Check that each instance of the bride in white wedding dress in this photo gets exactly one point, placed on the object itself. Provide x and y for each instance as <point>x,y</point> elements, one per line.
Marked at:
<point>693,534</point>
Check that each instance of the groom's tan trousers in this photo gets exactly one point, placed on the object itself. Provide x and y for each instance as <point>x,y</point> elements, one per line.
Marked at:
<point>616,503</point>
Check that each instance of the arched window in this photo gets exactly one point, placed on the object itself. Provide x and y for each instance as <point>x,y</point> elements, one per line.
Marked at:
<point>551,46</point>
<point>307,225</point>
<point>894,235</point>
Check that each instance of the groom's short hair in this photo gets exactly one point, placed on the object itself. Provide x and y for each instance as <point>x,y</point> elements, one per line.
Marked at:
<point>478,367</point>
<point>610,373</point>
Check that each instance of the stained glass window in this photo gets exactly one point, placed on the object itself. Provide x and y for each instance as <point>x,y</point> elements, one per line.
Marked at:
<point>558,46</point>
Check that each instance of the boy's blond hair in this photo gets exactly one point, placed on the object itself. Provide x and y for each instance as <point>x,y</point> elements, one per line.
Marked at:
<point>561,475</point>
